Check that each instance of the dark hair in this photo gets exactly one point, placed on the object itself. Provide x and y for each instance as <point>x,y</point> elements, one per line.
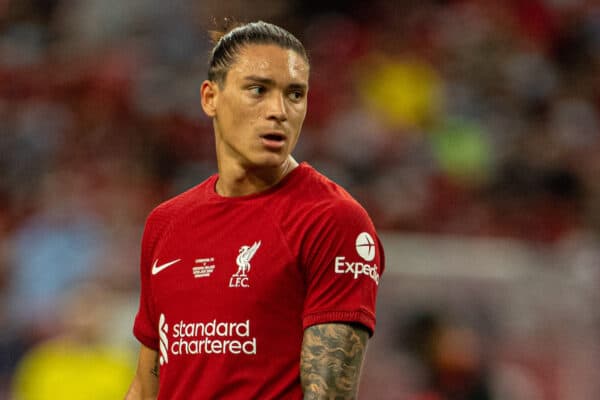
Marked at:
<point>228,44</point>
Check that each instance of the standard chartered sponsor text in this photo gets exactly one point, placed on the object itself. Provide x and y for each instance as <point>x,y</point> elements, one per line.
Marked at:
<point>212,337</point>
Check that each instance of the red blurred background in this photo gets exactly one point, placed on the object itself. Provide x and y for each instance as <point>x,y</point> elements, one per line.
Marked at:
<point>469,130</point>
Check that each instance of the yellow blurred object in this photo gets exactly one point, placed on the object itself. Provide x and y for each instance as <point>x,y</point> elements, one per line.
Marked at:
<point>402,92</point>
<point>65,370</point>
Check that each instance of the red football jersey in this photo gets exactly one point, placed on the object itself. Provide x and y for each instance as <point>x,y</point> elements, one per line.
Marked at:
<point>230,283</point>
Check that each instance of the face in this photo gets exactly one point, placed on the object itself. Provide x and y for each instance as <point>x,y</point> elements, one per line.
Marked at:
<point>259,110</point>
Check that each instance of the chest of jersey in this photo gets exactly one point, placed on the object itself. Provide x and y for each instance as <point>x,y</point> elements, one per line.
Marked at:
<point>227,263</point>
<point>226,292</point>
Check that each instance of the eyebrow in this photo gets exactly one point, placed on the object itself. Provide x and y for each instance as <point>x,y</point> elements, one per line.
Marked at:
<point>271,82</point>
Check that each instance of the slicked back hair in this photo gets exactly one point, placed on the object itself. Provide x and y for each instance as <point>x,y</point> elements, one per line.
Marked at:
<point>229,44</point>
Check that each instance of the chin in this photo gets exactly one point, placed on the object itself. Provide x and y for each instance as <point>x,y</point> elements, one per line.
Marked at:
<point>270,161</point>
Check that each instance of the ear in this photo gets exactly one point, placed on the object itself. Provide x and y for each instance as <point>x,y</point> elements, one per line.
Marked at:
<point>208,97</point>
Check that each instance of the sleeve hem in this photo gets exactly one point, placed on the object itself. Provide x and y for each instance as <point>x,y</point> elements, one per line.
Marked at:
<point>362,317</point>
<point>147,341</point>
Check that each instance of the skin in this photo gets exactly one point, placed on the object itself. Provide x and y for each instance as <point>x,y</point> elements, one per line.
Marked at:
<point>265,93</point>
<point>331,361</point>
<point>145,381</point>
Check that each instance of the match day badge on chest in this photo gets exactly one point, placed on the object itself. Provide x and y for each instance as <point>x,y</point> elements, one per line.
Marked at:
<point>240,277</point>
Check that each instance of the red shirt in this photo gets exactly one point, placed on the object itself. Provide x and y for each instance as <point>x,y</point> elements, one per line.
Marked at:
<point>230,283</point>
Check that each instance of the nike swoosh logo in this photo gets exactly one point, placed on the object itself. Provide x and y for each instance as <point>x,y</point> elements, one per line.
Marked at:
<point>157,268</point>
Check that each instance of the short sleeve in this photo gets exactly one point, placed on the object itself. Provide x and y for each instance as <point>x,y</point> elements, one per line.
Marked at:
<point>146,322</point>
<point>343,261</point>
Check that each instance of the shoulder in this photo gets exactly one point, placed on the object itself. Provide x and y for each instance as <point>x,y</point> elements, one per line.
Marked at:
<point>327,196</point>
<point>318,200</point>
<point>172,208</point>
<point>316,183</point>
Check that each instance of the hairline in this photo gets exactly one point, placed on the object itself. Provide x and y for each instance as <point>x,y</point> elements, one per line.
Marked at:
<point>242,47</point>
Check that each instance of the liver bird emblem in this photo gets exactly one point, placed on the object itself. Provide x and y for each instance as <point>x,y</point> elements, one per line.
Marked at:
<point>243,259</point>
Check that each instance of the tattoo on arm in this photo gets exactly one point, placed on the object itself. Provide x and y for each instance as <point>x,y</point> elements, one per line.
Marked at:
<point>155,369</point>
<point>331,360</point>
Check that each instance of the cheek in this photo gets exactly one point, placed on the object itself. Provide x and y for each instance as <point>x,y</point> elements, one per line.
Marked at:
<point>299,114</point>
<point>236,115</point>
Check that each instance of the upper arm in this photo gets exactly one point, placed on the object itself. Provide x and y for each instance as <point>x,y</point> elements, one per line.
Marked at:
<point>145,382</point>
<point>342,260</point>
<point>331,360</point>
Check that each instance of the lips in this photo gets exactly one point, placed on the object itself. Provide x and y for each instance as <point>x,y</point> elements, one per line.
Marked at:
<point>277,137</point>
<point>273,140</point>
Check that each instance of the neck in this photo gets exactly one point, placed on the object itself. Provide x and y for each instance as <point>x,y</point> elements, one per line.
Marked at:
<point>236,180</point>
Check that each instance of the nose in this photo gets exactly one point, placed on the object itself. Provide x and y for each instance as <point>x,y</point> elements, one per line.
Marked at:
<point>277,108</point>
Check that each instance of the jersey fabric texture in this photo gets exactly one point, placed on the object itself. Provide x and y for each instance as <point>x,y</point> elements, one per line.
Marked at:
<point>228,284</point>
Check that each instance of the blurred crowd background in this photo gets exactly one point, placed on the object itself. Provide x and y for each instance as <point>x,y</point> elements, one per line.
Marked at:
<point>469,129</point>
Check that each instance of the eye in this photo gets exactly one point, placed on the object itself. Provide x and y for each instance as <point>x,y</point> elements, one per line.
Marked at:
<point>296,95</point>
<point>256,90</point>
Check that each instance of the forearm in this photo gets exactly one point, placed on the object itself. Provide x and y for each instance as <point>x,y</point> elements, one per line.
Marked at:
<point>145,382</point>
<point>135,390</point>
<point>331,361</point>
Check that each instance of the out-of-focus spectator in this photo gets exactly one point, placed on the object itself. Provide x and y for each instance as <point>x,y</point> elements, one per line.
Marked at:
<point>454,366</point>
<point>53,249</point>
<point>77,363</point>
<point>455,363</point>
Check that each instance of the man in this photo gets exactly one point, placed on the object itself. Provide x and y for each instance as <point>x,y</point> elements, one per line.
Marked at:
<point>260,282</point>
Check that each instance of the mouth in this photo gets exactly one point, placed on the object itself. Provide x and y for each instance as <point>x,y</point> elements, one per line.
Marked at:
<point>277,137</point>
<point>273,140</point>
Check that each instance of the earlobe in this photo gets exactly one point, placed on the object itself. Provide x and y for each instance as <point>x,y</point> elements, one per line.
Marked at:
<point>208,95</point>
